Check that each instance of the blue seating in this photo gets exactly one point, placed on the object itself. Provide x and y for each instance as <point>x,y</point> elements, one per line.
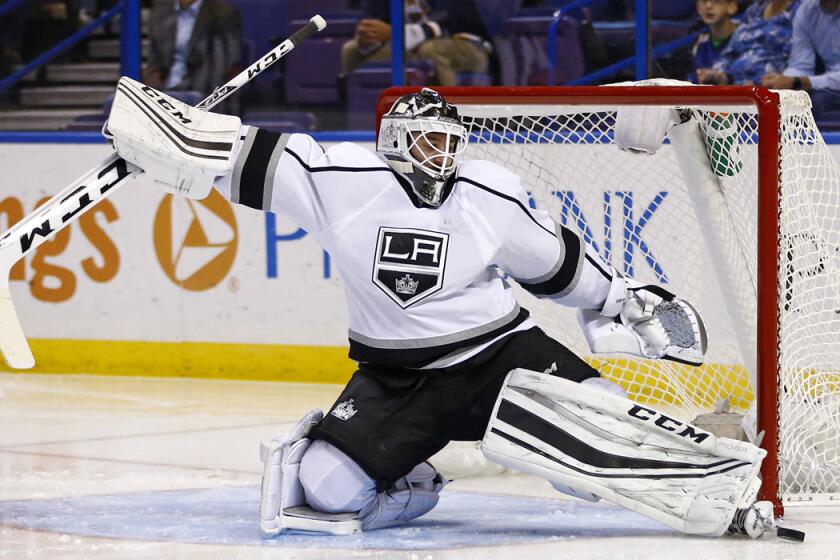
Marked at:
<point>830,122</point>
<point>523,56</point>
<point>599,9</point>
<point>366,83</point>
<point>260,25</point>
<point>86,123</point>
<point>311,74</point>
<point>670,10</point>
<point>282,121</point>
<point>478,79</point>
<point>305,9</point>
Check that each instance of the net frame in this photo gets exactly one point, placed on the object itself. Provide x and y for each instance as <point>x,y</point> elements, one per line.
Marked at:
<point>767,106</point>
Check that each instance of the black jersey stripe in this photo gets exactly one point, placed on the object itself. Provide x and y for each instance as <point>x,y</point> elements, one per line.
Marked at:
<point>311,169</point>
<point>569,272</point>
<point>506,197</point>
<point>420,357</point>
<point>253,177</point>
<point>540,428</point>
<point>525,445</point>
<point>400,180</point>
<point>594,262</point>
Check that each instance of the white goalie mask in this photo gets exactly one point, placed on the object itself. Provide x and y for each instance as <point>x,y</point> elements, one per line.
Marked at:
<point>421,137</point>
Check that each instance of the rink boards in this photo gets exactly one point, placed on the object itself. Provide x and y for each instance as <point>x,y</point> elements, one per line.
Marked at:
<point>147,284</point>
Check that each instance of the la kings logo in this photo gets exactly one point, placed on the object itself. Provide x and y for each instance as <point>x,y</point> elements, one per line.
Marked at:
<point>409,263</point>
<point>344,410</point>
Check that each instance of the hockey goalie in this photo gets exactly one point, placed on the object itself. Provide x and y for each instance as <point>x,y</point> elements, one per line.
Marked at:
<point>426,245</point>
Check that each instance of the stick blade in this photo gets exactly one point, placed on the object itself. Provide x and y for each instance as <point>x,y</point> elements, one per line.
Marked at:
<point>13,342</point>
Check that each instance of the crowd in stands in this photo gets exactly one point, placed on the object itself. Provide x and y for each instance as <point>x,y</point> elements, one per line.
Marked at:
<point>197,44</point>
<point>780,44</point>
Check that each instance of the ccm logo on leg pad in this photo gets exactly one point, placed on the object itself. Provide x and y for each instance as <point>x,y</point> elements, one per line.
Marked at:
<point>667,423</point>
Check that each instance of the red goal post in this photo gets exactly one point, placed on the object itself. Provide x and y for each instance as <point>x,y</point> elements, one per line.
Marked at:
<point>765,105</point>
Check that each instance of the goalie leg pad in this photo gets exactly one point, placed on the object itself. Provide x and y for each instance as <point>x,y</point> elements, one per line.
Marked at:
<point>593,442</point>
<point>415,494</point>
<point>334,483</point>
<point>283,500</point>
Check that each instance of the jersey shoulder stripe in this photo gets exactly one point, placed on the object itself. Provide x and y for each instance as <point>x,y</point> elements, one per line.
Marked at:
<point>565,273</point>
<point>254,174</point>
<point>507,197</point>
<point>321,169</point>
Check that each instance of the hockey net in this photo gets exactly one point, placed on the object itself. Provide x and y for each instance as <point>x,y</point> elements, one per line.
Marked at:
<point>740,216</point>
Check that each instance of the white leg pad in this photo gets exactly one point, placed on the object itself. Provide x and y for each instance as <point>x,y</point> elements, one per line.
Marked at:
<point>413,495</point>
<point>282,501</point>
<point>334,483</point>
<point>585,439</point>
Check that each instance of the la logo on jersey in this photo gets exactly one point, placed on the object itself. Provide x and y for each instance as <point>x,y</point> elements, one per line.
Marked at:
<point>409,263</point>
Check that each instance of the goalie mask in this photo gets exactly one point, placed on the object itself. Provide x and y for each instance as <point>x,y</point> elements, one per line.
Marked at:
<point>421,137</point>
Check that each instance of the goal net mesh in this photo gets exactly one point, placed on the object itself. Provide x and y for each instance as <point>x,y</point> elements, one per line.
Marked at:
<point>641,214</point>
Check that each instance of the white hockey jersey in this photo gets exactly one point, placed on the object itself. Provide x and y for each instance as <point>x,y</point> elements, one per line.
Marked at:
<point>424,285</point>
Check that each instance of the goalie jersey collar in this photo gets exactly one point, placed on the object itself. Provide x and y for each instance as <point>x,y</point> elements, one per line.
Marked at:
<point>415,200</point>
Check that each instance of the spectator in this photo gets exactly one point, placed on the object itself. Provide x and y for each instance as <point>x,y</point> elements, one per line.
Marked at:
<point>466,50</point>
<point>12,26</point>
<point>49,22</point>
<point>195,45</point>
<point>816,32</point>
<point>717,14</point>
<point>760,45</point>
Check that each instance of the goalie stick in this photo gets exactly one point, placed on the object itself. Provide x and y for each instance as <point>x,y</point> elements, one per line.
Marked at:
<point>98,183</point>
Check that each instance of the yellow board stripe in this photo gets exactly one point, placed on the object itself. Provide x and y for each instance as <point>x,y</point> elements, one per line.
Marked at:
<point>254,362</point>
<point>330,364</point>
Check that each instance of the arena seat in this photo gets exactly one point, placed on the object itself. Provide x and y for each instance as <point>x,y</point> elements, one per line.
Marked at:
<point>282,121</point>
<point>311,75</point>
<point>523,56</point>
<point>305,9</point>
<point>830,122</point>
<point>366,83</point>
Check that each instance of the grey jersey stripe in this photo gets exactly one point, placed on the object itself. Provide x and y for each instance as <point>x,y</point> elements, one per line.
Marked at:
<point>403,344</point>
<point>578,271</point>
<point>240,164</point>
<point>268,189</point>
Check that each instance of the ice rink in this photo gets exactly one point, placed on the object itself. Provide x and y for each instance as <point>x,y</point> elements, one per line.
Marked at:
<point>127,468</point>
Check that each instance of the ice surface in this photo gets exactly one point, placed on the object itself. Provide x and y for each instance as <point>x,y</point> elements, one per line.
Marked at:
<point>126,468</point>
<point>229,516</point>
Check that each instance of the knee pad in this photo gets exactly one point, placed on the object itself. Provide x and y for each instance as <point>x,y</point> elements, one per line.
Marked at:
<point>413,495</point>
<point>333,482</point>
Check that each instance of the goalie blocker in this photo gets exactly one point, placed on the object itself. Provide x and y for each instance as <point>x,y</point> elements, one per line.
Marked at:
<point>182,148</point>
<point>591,442</point>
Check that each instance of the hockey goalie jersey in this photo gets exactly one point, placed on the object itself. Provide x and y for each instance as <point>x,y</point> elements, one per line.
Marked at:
<point>425,286</point>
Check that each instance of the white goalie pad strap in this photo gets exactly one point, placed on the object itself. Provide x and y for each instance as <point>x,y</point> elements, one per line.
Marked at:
<point>642,129</point>
<point>180,147</point>
<point>281,486</point>
<point>588,440</point>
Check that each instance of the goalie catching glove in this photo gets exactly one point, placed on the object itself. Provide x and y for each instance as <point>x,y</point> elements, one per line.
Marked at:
<point>645,321</point>
<point>181,148</point>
